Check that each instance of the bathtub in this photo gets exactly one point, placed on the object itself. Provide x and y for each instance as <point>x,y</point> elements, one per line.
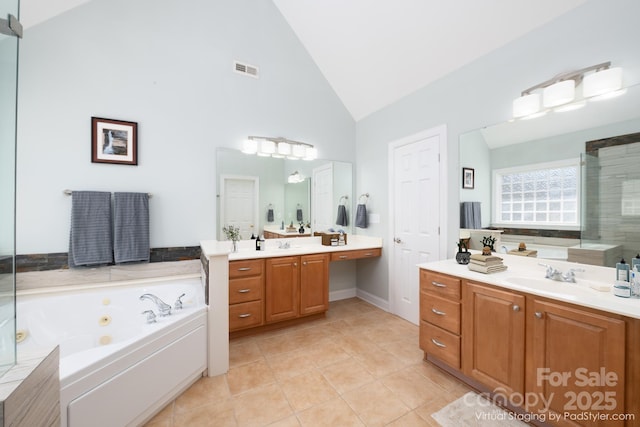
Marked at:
<point>115,368</point>
<point>544,251</point>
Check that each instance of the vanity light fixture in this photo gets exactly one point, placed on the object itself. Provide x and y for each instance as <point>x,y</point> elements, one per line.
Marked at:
<point>295,178</point>
<point>559,93</point>
<point>279,148</point>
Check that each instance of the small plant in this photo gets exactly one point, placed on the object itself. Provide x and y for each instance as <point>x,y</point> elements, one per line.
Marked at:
<point>232,233</point>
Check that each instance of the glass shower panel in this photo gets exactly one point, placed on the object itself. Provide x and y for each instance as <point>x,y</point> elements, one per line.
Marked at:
<point>8,91</point>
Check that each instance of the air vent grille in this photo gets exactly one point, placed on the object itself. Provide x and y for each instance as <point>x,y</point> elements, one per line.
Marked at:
<point>245,69</point>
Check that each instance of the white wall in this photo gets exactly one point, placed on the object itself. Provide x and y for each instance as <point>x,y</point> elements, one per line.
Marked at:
<point>480,94</point>
<point>168,66</point>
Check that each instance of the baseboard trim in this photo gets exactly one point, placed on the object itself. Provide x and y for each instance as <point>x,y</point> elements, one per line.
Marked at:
<point>342,294</point>
<point>372,299</point>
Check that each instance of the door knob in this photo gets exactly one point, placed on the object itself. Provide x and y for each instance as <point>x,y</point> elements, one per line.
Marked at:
<point>397,240</point>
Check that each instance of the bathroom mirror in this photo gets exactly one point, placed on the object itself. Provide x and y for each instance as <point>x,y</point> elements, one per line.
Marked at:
<point>275,193</point>
<point>549,138</point>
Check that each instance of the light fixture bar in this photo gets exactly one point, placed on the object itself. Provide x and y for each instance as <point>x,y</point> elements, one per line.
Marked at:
<point>279,147</point>
<point>572,75</point>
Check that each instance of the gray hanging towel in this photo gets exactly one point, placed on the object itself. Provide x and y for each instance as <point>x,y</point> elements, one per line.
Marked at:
<point>90,240</point>
<point>131,227</point>
<point>342,218</point>
<point>270,215</point>
<point>361,216</point>
<point>470,215</point>
<point>298,214</point>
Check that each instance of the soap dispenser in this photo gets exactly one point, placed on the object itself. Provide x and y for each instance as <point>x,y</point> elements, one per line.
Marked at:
<point>622,271</point>
<point>635,261</point>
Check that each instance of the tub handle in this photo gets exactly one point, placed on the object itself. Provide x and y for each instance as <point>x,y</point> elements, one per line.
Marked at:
<point>178,304</point>
<point>151,316</point>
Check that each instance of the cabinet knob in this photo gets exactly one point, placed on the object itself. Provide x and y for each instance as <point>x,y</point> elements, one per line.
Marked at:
<point>438,312</point>
<point>438,343</point>
<point>538,315</point>
<point>304,263</point>
<point>295,264</point>
<point>516,307</point>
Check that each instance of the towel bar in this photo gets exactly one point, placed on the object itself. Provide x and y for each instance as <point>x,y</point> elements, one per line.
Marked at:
<point>69,192</point>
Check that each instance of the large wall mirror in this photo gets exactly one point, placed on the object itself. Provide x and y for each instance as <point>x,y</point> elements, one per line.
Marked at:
<point>274,197</point>
<point>556,137</point>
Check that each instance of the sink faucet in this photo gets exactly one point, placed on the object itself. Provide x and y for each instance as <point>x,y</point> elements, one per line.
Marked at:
<point>555,274</point>
<point>284,245</point>
<point>164,309</point>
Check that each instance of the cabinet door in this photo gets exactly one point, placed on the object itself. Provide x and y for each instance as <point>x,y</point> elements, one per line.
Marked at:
<point>493,337</point>
<point>314,284</point>
<point>570,349</point>
<point>282,288</point>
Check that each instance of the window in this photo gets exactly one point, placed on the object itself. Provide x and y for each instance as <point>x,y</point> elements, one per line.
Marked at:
<point>538,196</point>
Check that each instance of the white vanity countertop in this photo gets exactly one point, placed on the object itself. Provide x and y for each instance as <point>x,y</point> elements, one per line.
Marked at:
<point>298,246</point>
<point>525,274</point>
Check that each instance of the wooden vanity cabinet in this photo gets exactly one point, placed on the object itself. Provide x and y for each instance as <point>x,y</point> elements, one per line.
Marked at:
<point>440,316</point>
<point>493,337</point>
<point>246,290</point>
<point>518,344</point>
<point>583,346</point>
<point>296,286</point>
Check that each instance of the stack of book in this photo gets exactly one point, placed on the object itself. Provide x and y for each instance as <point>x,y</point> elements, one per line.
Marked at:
<point>486,263</point>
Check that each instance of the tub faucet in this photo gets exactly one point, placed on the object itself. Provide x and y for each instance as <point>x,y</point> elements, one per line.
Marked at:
<point>164,309</point>
<point>151,316</point>
<point>178,304</point>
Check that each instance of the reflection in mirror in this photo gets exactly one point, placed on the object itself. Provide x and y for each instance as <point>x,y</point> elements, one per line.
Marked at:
<point>520,144</point>
<point>278,203</point>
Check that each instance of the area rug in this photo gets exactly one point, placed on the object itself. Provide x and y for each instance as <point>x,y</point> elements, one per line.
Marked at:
<point>473,410</point>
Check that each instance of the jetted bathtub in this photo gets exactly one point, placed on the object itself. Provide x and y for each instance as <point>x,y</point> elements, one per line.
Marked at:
<point>115,368</point>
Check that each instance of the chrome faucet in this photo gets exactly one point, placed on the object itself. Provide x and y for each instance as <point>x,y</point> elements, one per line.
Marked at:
<point>178,304</point>
<point>555,274</point>
<point>164,309</point>
<point>151,316</point>
<point>284,245</point>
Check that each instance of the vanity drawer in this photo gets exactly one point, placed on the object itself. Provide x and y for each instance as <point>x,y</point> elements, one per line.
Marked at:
<point>441,312</point>
<point>440,284</point>
<point>357,254</point>
<point>440,343</point>
<point>245,289</point>
<point>244,268</point>
<point>245,315</point>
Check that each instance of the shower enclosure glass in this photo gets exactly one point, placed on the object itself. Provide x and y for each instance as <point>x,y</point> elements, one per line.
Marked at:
<point>8,89</point>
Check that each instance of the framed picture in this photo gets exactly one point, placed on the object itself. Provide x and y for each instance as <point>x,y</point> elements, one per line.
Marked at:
<point>467,178</point>
<point>114,141</point>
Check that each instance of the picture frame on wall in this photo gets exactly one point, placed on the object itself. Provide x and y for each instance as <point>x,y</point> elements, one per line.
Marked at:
<point>468,178</point>
<point>114,141</point>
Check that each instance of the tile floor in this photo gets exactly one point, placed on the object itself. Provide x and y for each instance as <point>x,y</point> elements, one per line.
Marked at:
<point>360,366</point>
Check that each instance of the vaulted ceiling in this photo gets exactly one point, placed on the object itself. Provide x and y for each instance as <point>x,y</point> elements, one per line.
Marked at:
<point>374,52</point>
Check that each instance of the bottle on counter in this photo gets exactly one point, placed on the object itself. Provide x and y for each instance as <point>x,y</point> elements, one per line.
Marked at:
<point>259,244</point>
<point>622,271</point>
<point>635,261</point>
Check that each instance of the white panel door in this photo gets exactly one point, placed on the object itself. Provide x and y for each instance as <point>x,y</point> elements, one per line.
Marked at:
<point>416,214</point>
<point>239,204</point>
<point>322,198</point>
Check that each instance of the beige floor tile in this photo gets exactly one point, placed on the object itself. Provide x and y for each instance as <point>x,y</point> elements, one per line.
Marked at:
<point>355,344</point>
<point>347,375</point>
<point>405,350</point>
<point>286,365</point>
<point>243,352</point>
<point>380,362</point>
<point>375,404</point>
<point>261,407</point>
<point>411,387</point>
<point>432,406</point>
<point>164,418</point>
<point>409,420</point>
<point>307,390</point>
<point>249,376</point>
<point>334,413</point>
<point>205,391</point>
<point>277,344</point>
<point>326,352</point>
<point>204,416</point>
<point>291,421</point>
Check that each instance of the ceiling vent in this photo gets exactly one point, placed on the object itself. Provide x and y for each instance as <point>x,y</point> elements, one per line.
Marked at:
<point>245,69</point>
